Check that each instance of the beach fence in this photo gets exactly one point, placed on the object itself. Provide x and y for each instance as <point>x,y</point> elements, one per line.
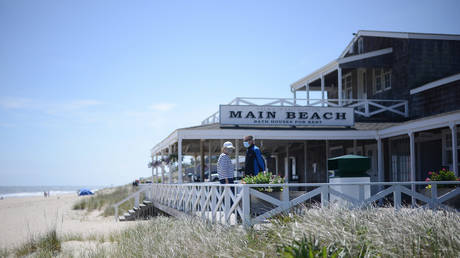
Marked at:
<point>251,204</point>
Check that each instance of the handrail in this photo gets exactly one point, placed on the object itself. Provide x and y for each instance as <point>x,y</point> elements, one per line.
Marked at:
<point>134,195</point>
<point>361,106</point>
<point>230,203</point>
<point>319,184</point>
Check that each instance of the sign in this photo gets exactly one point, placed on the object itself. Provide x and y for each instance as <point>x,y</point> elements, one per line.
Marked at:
<point>285,116</point>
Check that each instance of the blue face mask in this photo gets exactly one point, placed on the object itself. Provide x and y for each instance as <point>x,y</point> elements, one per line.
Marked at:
<point>246,144</point>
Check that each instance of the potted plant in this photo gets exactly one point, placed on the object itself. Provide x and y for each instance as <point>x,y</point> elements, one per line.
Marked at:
<point>443,175</point>
<point>259,206</point>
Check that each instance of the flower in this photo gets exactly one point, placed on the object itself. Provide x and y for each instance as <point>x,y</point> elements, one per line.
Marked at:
<point>427,179</point>
<point>430,173</point>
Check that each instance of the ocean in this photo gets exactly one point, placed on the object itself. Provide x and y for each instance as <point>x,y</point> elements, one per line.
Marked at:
<point>23,191</point>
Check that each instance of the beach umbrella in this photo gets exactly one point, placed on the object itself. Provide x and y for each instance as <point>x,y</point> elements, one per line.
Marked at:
<point>85,192</point>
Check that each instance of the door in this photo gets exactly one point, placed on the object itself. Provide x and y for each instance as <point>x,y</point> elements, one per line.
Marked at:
<point>362,84</point>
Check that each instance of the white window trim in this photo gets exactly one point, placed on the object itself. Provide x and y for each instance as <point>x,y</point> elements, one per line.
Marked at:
<point>382,80</point>
<point>345,88</point>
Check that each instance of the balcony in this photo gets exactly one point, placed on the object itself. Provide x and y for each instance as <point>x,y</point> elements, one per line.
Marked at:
<point>362,107</point>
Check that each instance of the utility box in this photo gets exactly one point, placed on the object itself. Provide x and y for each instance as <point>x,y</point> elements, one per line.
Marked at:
<point>349,169</point>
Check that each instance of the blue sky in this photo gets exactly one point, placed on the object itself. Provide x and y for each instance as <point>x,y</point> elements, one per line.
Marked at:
<point>88,87</point>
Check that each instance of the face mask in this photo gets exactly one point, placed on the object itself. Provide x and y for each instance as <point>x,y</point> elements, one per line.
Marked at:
<point>246,144</point>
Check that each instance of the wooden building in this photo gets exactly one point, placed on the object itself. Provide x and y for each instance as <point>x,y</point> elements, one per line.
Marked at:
<point>403,90</point>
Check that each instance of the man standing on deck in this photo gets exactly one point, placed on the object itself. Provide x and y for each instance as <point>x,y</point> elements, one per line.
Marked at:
<point>254,163</point>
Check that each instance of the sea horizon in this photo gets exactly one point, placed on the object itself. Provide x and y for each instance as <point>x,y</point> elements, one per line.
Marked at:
<point>38,190</point>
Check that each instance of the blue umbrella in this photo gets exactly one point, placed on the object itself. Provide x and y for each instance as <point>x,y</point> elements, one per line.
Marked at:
<point>85,192</point>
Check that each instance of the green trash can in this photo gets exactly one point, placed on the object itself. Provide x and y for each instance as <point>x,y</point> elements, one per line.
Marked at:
<point>349,166</point>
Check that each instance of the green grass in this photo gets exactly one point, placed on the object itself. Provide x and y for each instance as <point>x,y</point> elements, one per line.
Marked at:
<point>319,232</point>
<point>106,198</point>
<point>47,245</point>
<point>331,232</point>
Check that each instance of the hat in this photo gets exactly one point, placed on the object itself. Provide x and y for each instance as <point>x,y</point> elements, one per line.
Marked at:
<point>228,145</point>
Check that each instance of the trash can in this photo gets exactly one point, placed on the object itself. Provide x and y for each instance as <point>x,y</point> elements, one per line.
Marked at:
<point>349,169</point>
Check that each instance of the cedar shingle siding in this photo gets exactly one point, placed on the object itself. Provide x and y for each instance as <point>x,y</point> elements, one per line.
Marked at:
<point>413,63</point>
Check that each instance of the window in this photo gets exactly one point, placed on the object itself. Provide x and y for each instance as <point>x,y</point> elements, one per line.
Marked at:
<point>347,87</point>
<point>360,46</point>
<point>387,79</point>
<point>377,80</point>
<point>382,80</point>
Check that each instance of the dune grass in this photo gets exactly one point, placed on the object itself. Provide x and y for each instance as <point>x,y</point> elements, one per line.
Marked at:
<point>319,232</point>
<point>329,232</point>
<point>105,199</point>
<point>47,245</point>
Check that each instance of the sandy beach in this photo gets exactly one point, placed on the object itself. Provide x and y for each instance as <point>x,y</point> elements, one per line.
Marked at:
<point>24,217</point>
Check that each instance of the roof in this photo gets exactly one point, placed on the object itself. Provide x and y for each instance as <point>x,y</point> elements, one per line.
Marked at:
<point>371,33</point>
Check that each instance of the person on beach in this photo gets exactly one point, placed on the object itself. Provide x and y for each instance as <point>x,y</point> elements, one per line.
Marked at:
<point>224,164</point>
<point>254,163</point>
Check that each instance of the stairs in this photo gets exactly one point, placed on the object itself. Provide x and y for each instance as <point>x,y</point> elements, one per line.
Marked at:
<point>145,211</point>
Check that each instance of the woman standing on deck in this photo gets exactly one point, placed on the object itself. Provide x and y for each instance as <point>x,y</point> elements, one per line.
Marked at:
<point>224,164</point>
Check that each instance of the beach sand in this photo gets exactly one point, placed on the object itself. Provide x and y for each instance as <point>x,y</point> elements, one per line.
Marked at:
<point>25,217</point>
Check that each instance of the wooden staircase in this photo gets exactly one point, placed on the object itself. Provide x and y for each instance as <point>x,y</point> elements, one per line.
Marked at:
<point>145,211</point>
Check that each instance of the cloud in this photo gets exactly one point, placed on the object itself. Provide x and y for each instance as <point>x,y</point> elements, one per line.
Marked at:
<point>14,103</point>
<point>162,106</point>
<point>84,103</point>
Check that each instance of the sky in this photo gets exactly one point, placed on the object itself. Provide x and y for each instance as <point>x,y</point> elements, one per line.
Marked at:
<point>88,87</point>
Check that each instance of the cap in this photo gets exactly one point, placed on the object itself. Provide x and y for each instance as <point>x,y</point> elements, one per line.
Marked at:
<point>228,145</point>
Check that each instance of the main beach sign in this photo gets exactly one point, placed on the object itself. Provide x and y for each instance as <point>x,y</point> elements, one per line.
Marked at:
<point>285,116</point>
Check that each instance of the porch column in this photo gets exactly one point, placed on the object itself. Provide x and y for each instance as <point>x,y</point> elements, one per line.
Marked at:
<point>170,164</point>
<point>209,161</point>
<point>327,156</point>
<point>322,90</point>
<point>412,162</point>
<point>153,169</point>
<point>453,129</point>
<point>237,156</point>
<point>380,162</point>
<point>307,91</point>
<point>305,162</point>
<point>295,97</point>
<point>179,161</point>
<point>286,165</point>
<point>202,160</point>
<point>339,83</point>
<point>162,168</point>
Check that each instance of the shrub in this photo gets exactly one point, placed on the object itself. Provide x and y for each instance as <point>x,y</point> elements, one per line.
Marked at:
<point>264,178</point>
<point>442,175</point>
<point>46,245</point>
<point>309,248</point>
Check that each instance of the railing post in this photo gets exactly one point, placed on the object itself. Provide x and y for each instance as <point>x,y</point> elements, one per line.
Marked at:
<point>324,196</point>
<point>116,213</point>
<point>246,206</point>
<point>434,196</point>
<point>203,202</point>
<point>366,108</point>
<point>227,203</point>
<point>361,195</point>
<point>136,200</point>
<point>213,203</point>
<point>397,197</point>
<point>285,198</point>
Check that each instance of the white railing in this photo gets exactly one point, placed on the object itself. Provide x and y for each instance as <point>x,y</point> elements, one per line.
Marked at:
<point>136,195</point>
<point>363,107</point>
<point>243,203</point>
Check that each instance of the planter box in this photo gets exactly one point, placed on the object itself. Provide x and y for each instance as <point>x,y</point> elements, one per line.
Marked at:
<point>454,202</point>
<point>259,206</point>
